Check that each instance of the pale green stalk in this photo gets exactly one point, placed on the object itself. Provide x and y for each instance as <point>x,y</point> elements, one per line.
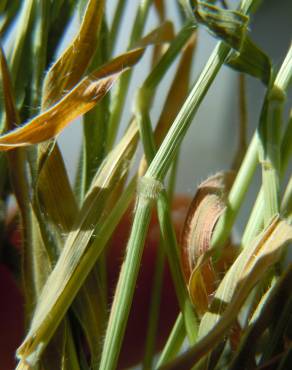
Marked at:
<point>244,177</point>
<point>157,284</point>
<point>126,285</point>
<point>120,93</point>
<point>255,221</point>
<point>286,147</point>
<point>271,138</point>
<point>119,13</point>
<point>174,342</point>
<point>154,309</point>
<point>125,289</point>
<point>166,152</point>
<point>164,215</point>
<point>15,55</point>
<point>150,188</point>
<point>286,206</point>
<point>166,226</point>
<point>236,194</point>
<point>40,40</point>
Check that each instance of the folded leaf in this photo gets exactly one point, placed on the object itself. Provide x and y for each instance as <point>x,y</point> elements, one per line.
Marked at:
<point>231,27</point>
<point>204,212</point>
<point>66,72</point>
<point>252,60</point>
<point>228,25</point>
<point>77,102</point>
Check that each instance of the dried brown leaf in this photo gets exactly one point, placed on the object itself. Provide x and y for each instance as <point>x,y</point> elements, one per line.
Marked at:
<point>66,72</point>
<point>204,212</point>
<point>77,102</point>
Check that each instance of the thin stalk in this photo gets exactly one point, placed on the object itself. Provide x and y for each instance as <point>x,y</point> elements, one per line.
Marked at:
<point>146,194</point>
<point>270,135</point>
<point>157,170</point>
<point>157,286</point>
<point>256,219</point>
<point>286,147</point>
<point>119,12</point>
<point>242,136</point>
<point>40,41</point>
<point>166,152</point>
<point>154,310</point>
<point>150,187</point>
<point>174,342</point>
<point>20,36</point>
<point>95,121</point>
<point>286,205</point>
<point>126,286</point>
<point>236,194</point>
<point>122,85</point>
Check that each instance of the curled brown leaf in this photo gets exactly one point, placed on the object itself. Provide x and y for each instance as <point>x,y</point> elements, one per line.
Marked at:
<point>204,212</point>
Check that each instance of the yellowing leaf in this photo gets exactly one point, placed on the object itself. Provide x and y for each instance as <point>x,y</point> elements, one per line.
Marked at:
<point>77,102</point>
<point>70,66</point>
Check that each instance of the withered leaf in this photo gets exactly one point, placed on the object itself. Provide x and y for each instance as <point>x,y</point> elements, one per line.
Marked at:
<point>205,210</point>
<point>77,102</point>
<point>66,72</point>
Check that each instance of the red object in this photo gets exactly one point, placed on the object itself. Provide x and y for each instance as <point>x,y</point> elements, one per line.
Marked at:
<point>134,342</point>
<point>11,319</point>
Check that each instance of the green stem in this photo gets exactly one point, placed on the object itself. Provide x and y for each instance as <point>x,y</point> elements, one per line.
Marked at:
<point>40,41</point>
<point>174,342</point>
<point>154,309</point>
<point>270,135</point>
<point>128,274</point>
<point>286,205</point>
<point>122,85</point>
<point>156,170</point>
<point>286,147</point>
<point>119,12</point>
<point>126,286</point>
<point>236,194</point>
<point>255,221</point>
<point>157,286</point>
<point>150,187</point>
<point>165,154</point>
<point>20,36</point>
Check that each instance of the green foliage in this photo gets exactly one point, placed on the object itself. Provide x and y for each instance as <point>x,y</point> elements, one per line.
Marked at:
<point>65,233</point>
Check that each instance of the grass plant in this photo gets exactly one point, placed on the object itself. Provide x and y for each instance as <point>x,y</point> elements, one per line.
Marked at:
<point>66,229</point>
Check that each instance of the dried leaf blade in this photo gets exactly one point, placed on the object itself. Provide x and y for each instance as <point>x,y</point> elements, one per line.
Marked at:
<point>77,102</point>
